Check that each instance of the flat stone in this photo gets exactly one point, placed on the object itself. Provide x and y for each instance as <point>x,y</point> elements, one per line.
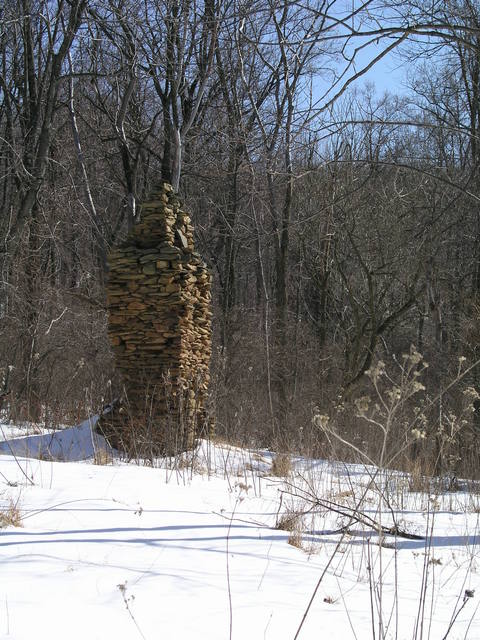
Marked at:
<point>136,305</point>
<point>149,269</point>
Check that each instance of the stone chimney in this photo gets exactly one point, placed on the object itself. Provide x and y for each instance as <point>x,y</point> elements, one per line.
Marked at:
<point>159,299</point>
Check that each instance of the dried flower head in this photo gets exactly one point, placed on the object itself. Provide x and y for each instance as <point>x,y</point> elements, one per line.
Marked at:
<point>321,420</point>
<point>418,434</point>
<point>417,386</point>
<point>377,371</point>
<point>471,394</point>
<point>362,404</point>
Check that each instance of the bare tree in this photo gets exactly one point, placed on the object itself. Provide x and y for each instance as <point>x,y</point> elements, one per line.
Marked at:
<point>177,43</point>
<point>36,40</point>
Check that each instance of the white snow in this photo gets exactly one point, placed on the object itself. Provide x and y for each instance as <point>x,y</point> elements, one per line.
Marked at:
<point>189,550</point>
<point>72,444</point>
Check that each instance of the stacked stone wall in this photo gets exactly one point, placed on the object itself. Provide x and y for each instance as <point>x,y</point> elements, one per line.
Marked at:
<point>159,299</point>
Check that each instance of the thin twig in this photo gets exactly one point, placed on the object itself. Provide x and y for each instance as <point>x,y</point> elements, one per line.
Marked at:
<point>7,442</point>
<point>230,607</point>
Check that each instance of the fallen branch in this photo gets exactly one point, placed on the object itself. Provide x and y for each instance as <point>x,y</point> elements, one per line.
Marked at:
<point>352,513</point>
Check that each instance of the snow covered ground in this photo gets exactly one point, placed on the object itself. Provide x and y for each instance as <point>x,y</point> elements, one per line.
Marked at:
<point>190,550</point>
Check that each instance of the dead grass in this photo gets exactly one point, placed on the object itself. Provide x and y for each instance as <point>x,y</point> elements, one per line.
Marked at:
<point>282,465</point>
<point>191,463</point>
<point>288,521</point>
<point>10,516</point>
<point>419,481</point>
<point>102,457</point>
<point>296,539</point>
<point>292,521</point>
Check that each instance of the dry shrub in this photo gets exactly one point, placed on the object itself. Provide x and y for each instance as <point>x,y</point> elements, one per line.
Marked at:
<point>296,538</point>
<point>10,516</point>
<point>190,462</point>
<point>288,521</point>
<point>50,378</point>
<point>419,480</point>
<point>282,465</point>
<point>292,521</point>
<point>102,458</point>
<point>241,395</point>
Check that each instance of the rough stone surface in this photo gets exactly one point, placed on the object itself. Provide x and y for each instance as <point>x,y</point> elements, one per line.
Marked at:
<point>159,300</point>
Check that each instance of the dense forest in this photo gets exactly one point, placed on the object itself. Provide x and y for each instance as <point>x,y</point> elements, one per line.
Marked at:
<point>341,224</point>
